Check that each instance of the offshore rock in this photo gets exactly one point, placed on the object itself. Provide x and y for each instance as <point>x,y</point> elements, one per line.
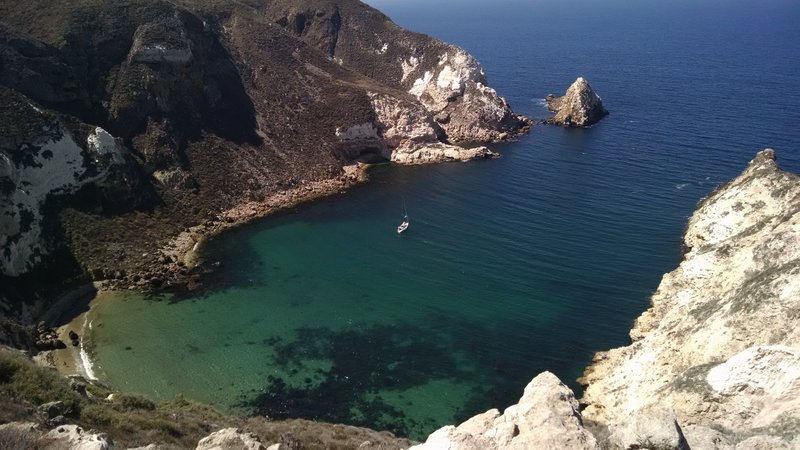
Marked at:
<point>579,107</point>
<point>546,417</point>
<point>721,343</point>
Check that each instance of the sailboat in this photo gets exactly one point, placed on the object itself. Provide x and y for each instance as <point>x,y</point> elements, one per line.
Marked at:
<point>403,226</point>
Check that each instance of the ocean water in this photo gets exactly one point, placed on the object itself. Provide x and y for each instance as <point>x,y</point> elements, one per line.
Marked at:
<point>511,266</point>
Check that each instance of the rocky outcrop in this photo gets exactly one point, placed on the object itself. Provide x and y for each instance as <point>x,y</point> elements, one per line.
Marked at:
<point>42,158</point>
<point>579,107</point>
<point>455,91</point>
<point>445,79</point>
<point>546,417</point>
<point>230,439</point>
<point>74,437</point>
<point>720,344</point>
<point>411,136</point>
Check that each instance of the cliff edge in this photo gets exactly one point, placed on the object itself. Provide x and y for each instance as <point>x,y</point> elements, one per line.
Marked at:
<point>721,343</point>
<point>714,363</point>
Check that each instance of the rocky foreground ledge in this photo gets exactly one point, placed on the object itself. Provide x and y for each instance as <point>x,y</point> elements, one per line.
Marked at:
<point>714,363</point>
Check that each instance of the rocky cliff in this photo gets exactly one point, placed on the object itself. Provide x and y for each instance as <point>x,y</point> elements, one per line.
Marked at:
<point>721,343</point>
<point>713,364</point>
<point>128,124</point>
<point>580,106</point>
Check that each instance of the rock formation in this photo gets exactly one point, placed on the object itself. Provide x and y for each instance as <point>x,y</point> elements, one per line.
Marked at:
<point>74,437</point>
<point>546,417</point>
<point>714,363</point>
<point>125,124</point>
<point>230,438</point>
<point>579,107</point>
<point>445,79</point>
<point>721,343</point>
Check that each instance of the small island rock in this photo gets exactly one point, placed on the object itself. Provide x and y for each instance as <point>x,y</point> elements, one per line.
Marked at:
<point>579,107</point>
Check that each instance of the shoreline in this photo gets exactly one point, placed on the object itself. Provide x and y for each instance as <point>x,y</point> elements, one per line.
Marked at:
<point>76,360</point>
<point>178,267</point>
<point>70,312</point>
<point>180,261</point>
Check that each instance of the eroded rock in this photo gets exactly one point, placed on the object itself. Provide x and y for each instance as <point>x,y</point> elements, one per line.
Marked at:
<point>546,417</point>
<point>74,437</point>
<point>720,342</point>
<point>579,107</point>
<point>230,439</point>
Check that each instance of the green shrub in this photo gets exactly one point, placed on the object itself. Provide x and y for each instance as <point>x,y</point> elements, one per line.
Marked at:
<point>15,438</point>
<point>129,402</point>
<point>99,416</point>
<point>26,381</point>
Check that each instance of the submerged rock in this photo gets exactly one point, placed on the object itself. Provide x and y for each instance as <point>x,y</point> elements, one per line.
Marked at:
<point>579,107</point>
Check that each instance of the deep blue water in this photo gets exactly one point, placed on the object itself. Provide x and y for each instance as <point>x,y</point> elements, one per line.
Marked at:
<point>512,266</point>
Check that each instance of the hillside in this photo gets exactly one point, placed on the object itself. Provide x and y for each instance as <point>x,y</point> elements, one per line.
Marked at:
<point>132,129</point>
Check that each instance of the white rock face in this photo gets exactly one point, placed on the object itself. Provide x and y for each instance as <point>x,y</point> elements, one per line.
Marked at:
<point>230,439</point>
<point>579,107</point>
<point>546,417</point>
<point>74,437</point>
<point>651,428</point>
<point>720,343</point>
<point>412,137</point>
<point>53,163</point>
<point>454,91</point>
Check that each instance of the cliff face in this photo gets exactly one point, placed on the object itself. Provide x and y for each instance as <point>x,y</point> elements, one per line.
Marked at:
<point>714,363</point>
<point>721,343</point>
<point>445,79</point>
<point>151,118</point>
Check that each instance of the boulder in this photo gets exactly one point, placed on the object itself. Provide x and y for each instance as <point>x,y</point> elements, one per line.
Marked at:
<point>53,409</point>
<point>653,428</point>
<point>546,417</point>
<point>74,437</point>
<point>230,439</point>
<point>579,107</point>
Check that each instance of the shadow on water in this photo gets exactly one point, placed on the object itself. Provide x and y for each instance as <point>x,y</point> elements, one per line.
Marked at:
<point>362,363</point>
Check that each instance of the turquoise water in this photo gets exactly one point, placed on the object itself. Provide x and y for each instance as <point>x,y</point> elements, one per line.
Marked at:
<point>511,266</point>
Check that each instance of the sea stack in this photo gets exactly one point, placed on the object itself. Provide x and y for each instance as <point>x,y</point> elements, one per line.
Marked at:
<point>579,107</point>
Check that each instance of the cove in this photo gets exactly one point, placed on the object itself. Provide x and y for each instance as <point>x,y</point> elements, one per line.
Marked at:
<point>511,266</point>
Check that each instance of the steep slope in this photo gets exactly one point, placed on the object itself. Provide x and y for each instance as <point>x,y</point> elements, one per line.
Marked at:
<point>448,81</point>
<point>721,343</point>
<point>215,106</point>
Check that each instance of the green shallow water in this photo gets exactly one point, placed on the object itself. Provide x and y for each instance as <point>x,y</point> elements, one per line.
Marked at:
<point>512,266</point>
